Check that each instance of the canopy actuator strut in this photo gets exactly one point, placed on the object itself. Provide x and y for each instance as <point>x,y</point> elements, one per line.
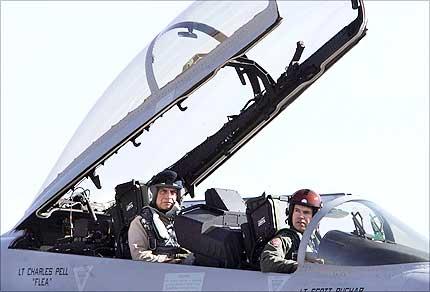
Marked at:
<point>294,64</point>
<point>243,65</point>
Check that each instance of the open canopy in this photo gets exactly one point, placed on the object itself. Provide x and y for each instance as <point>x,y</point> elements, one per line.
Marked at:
<point>203,123</point>
<point>178,60</point>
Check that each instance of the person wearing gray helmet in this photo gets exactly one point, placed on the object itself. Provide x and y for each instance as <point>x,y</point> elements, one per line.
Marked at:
<point>151,235</point>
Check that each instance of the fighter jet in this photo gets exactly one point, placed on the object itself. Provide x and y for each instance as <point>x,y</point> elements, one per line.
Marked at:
<point>204,87</point>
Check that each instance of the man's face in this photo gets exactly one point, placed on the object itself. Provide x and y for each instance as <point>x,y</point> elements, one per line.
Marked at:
<point>166,198</point>
<point>302,215</point>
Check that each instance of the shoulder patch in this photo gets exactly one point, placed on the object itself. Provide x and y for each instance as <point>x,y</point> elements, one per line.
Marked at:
<point>276,242</point>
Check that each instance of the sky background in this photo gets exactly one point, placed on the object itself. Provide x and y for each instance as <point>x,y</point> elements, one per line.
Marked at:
<point>369,135</point>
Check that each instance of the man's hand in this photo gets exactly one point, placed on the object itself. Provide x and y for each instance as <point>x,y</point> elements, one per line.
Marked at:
<point>171,260</point>
<point>311,258</point>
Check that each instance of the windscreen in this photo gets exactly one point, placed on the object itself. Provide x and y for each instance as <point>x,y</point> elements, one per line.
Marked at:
<point>359,233</point>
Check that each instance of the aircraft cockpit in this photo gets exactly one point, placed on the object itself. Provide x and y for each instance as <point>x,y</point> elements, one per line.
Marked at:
<point>226,231</point>
<point>195,96</point>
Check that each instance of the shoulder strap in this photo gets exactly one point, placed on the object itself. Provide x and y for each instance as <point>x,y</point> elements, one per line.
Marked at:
<point>147,222</point>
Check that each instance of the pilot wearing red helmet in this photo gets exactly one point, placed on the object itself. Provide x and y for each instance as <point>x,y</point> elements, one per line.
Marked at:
<point>279,254</point>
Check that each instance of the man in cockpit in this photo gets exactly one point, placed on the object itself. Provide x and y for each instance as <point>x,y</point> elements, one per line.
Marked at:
<point>280,254</point>
<point>151,235</point>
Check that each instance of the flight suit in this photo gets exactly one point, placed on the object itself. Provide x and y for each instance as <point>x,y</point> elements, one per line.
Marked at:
<point>147,244</point>
<point>280,254</point>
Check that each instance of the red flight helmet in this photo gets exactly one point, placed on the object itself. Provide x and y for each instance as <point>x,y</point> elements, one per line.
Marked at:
<point>304,197</point>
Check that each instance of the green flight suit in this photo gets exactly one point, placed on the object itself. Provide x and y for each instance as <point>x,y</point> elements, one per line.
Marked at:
<point>279,254</point>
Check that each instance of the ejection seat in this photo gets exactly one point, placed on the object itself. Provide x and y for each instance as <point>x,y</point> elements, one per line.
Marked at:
<point>130,197</point>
